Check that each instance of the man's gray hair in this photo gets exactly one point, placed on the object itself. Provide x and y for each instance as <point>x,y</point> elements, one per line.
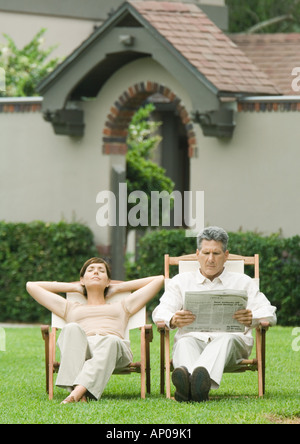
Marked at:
<point>213,233</point>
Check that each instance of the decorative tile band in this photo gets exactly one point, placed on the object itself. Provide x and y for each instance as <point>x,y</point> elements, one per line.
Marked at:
<point>268,106</point>
<point>20,105</point>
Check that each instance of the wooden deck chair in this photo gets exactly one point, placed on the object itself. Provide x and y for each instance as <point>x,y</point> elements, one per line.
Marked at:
<point>138,320</point>
<point>234,263</point>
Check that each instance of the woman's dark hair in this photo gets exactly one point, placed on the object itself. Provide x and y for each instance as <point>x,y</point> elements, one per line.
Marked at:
<point>95,260</point>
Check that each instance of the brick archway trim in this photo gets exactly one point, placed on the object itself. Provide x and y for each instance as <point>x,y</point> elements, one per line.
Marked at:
<point>122,111</point>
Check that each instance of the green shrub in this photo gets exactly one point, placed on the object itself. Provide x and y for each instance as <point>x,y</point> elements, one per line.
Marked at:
<point>38,251</point>
<point>279,264</point>
<point>49,251</point>
<point>26,67</point>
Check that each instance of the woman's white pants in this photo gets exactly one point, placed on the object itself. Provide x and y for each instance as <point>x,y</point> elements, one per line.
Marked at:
<point>90,360</point>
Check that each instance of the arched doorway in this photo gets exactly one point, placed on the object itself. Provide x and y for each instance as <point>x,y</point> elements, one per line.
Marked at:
<point>179,141</point>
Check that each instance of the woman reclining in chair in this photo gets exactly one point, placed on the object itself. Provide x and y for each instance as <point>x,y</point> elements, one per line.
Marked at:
<point>92,343</point>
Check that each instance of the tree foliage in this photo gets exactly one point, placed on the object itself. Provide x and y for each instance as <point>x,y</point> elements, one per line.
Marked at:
<point>143,174</point>
<point>24,68</point>
<point>268,16</point>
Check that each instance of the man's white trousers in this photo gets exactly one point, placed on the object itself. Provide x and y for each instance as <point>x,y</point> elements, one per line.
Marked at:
<point>223,353</point>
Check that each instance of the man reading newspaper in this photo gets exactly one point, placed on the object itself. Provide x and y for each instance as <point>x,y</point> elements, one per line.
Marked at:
<point>201,357</point>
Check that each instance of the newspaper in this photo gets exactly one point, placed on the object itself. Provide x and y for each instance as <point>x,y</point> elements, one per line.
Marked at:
<point>214,310</point>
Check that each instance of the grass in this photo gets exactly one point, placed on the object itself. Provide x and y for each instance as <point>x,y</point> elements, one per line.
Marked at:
<point>23,398</point>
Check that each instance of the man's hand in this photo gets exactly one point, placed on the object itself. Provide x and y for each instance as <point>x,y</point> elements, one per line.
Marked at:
<point>243,317</point>
<point>182,318</point>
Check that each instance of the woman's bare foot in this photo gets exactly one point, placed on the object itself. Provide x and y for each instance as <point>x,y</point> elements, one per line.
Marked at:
<point>68,400</point>
<point>78,394</point>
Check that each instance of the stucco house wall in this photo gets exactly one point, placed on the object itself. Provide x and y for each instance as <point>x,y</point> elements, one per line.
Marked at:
<point>49,177</point>
<point>250,181</point>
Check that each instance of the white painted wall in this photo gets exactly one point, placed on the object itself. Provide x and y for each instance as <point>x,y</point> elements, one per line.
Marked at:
<point>65,32</point>
<point>253,180</point>
<point>48,177</point>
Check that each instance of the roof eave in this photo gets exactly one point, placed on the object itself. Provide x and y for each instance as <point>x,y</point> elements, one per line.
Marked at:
<point>104,27</point>
<point>163,41</point>
<point>124,9</point>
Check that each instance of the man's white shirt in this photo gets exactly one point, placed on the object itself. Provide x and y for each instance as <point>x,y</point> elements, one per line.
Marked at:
<point>173,300</point>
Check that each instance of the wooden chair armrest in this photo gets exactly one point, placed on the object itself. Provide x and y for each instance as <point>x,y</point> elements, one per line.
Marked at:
<point>161,326</point>
<point>147,327</point>
<point>149,332</point>
<point>264,325</point>
<point>45,331</point>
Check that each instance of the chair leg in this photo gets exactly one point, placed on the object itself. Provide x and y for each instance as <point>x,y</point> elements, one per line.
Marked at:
<point>45,334</point>
<point>259,363</point>
<point>168,365</point>
<point>263,357</point>
<point>143,363</point>
<point>149,338</point>
<point>165,363</point>
<point>51,360</point>
<point>162,361</point>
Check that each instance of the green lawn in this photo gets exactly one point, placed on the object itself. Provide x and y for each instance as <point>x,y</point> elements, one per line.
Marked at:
<point>23,398</point>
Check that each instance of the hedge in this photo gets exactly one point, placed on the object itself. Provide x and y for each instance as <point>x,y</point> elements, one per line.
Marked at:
<point>38,251</point>
<point>49,251</point>
<point>279,264</point>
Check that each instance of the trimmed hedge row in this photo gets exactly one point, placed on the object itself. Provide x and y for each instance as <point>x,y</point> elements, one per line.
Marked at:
<point>38,251</point>
<point>49,251</point>
<point>279,264</point>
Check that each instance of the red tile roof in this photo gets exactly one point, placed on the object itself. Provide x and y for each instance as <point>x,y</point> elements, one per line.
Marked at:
<point>206,47</point>
<point>275,54</point>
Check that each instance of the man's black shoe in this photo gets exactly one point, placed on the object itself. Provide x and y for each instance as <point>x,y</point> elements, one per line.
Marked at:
<point>200,384</point>
<point>181,380</point>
